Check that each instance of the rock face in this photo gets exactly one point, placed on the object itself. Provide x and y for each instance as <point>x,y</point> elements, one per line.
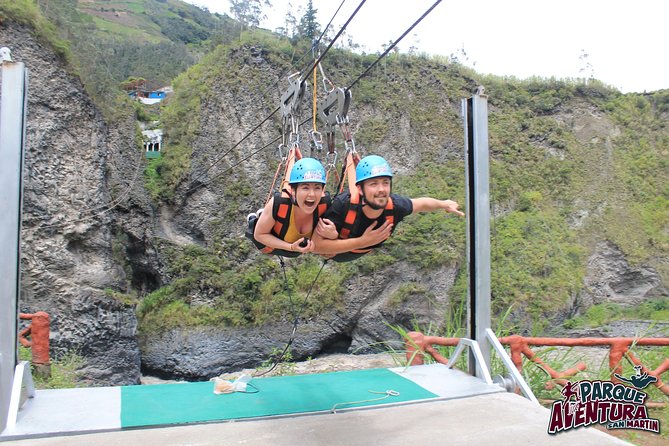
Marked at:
<point>89,231</point>
<point>610,278</point>
<point>68,223</point>
<point>359,327</point>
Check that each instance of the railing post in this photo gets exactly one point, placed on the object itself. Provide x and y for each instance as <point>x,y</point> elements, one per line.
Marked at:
<point>616,352</point>
<point>415,348</point>
<point>38,330</point>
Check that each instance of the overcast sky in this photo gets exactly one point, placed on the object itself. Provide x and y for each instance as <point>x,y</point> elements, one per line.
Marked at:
<point>625,41</point>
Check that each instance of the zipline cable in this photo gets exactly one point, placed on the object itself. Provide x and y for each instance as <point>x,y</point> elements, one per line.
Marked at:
<point>314,65</point>
<point>341,31</point>
<point>220,157</point>
<point>425,14</point>
<point>364,73</point>
<point>103,209</point>
<point>191,190</point>
<point>248,134</point>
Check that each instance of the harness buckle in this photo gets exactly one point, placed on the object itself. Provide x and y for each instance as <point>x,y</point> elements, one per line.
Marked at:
<point>279,151</point>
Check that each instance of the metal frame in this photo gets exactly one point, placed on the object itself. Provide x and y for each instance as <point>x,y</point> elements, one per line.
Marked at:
<point>510,366</point>
<point>475,350</point>
<point>475,115</point>
<point>13,103</point>
<point>477,174</point>
<point>23,379</point>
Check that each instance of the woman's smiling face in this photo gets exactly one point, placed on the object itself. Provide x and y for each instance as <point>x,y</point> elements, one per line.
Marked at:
<point>308,195</point>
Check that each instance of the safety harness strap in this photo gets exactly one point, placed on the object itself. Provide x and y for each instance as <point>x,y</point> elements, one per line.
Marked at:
<point>354,217</point>
<point>281,210</point>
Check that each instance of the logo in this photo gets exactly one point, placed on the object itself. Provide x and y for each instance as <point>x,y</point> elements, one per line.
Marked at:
<point>383,169</point>
<point>638,380</point>
<point>313,175</point>
<point>614,405</point>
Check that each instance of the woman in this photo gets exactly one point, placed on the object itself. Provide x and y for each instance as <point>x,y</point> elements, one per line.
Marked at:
<point>287,221</point>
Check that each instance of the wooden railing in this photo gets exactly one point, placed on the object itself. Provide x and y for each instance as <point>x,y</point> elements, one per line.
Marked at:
<point>417,345</point>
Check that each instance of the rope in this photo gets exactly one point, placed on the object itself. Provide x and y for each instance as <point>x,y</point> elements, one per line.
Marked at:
<point>276,175</point>
<point>118,201</point>
<point>386,394</point>
<point>315,64</point>
<point>295,315</point>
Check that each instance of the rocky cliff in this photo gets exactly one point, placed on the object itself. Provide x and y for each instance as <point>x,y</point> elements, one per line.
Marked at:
<point>80,176</point>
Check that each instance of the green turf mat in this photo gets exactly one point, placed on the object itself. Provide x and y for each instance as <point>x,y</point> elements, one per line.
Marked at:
<point>195,402</point>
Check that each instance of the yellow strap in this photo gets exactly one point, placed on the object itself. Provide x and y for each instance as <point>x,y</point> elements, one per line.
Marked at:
<point>315,96</point>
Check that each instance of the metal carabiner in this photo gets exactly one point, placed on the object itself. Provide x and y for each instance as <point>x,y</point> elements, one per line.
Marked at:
<point>343,123</point>
<point>294,125</point>
<point>279,150</point>
<point>316,140</point>
<point>292,97</point>
<point>294,139</point>
<point>326,82</point>
<point>331,164</point>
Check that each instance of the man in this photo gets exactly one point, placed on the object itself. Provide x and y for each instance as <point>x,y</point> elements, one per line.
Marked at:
<point>366,219</point>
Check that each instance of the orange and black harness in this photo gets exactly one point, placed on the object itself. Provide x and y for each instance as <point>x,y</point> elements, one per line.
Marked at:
<point>354,217</point>
<point>354,213</point>
<point>281,209</point>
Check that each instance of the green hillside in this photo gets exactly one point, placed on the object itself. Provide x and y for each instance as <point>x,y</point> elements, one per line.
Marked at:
<point>560,149</point>
<point>107,42</point>
<point>151,21</point>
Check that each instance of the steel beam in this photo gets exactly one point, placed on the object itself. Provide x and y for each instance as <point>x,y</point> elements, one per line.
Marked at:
<point>13,102</point>
<point>475,115</point>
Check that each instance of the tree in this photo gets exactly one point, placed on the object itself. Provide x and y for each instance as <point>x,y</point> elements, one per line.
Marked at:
<point>249,13</point>
<point>290,24</point>
<point>586,67</point>
<point>309,28</point>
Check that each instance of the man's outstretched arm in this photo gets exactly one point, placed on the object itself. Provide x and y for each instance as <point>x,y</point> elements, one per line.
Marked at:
<point>427,204</point>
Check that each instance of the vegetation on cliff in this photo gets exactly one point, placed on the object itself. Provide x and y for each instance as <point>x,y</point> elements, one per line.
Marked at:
<point>573,162</point>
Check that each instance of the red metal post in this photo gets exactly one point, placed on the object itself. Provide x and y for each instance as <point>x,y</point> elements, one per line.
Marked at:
<point>38,331</point>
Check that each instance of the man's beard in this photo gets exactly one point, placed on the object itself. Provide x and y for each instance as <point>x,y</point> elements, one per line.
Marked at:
<point>374,206</point>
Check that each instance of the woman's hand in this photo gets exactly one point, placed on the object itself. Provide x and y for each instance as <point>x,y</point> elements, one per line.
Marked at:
<point>297,246</point>
<point>326,229</point>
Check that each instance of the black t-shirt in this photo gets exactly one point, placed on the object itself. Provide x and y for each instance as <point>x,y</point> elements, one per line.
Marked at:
<point>402,207</point>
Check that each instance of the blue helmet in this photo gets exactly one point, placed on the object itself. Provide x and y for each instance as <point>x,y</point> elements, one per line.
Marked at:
<point>307,170</point>
<point>371,167</point>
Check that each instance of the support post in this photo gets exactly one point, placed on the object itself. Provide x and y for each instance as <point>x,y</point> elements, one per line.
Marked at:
<point>475,116</point>
<point>13,102</point>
